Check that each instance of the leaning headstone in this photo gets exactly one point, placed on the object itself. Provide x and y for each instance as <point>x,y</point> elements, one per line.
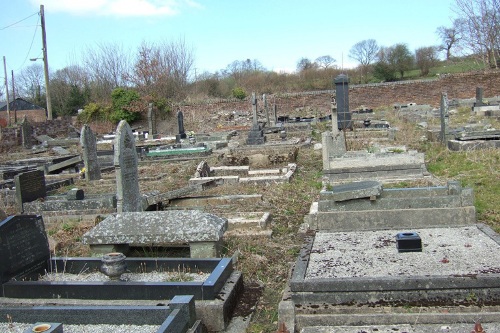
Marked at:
<point>151,120</point>
<point>203,170</point>
<point>180,123</point>
<point>30,186</point>
<point>256,134</point>
<point>127,177</point>
<point>89,147</point>
<point>24,247</point>
<point>26,133</point>
<point>444,117</point>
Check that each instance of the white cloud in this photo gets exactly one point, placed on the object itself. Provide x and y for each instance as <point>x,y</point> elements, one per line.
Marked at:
<point>118,8</point>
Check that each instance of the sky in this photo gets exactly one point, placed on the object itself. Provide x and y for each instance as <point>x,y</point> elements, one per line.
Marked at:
<point>277,33</point>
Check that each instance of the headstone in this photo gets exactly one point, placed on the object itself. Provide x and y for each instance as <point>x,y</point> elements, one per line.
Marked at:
<point>356,190</point>
<point>203,170</point>
<point>126,163</point>
<point>151,120</point>
<point>264,98</point>
<point>444,117</point>
<point>180,123</point>
<point>479,97</point>
<point>256,134</point>
<point>26,133</point>
<point>24,247</point>
<point>89,147</point>
<point>333,144</point>
<point>275,117</point>
<point>342,96</point>
<point>30,186</point>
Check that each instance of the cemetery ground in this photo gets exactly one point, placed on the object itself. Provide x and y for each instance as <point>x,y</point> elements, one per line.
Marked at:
<point>265,262</point>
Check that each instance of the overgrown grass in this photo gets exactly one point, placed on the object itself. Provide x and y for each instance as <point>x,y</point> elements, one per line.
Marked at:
<point>477,169</point>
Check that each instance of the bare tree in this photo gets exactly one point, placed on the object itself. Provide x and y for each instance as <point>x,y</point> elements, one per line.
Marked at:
<point>107,65</point>
<point>365,52</point>
<point>480,27</point>
<point>30,84</point>
<point>450,37</point>
<point>305,64</point>
<point>162,70</point>
<point>325,61</point>
<point>425,58</point>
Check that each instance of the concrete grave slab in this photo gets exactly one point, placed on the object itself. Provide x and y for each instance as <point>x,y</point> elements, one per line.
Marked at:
<point>356,190</point>
<point>418,207</point>
<point>202,231</point>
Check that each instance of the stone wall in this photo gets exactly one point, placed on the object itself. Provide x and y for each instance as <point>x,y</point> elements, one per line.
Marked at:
<point>458,86</point>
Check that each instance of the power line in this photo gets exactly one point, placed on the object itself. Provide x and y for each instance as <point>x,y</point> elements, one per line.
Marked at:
<point>31,45</point>
<point>10,25</point>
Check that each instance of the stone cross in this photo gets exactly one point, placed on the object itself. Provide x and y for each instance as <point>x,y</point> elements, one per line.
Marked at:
<point>254,110</point>
<point>89,147</point>
<point>126,167</point>
<point>151,120</point>
<point>444,117</point>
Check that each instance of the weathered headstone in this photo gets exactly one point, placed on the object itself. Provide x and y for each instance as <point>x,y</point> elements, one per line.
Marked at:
<point>256,134</point>
<point>126,163</point>
<point>203,170</point>
<point>24,247</point>
<point>342,95</point>
<point>180,123</point>
<point>151,120</point>
<point>89,147</point>
<point>334,142</point>
<point>275,117</point>
<point>264,98</point>
<point>444,117</point>
<point>26,133</point>
<point>30,186</point>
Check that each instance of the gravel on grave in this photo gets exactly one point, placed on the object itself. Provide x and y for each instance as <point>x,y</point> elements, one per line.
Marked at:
<point>21,327</point>
<point>445,251</point>
<point>153,276</point>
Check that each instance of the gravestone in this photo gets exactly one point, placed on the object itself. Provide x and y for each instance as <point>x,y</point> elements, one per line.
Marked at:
<point>275,117</point>
<point>89,147</point>
<point>333,143</point>
<point>151,120</point>
<point>479,97</point>
<point>180,123</point>
<point>24,247</point>
<point>203,170</point>
<point>256,134</point>
<point>26,133</point>
<point>127,178</point>
<point>342,95</point>
<point>443,110</point>
<point>30,186</point>
<point>264,98</point>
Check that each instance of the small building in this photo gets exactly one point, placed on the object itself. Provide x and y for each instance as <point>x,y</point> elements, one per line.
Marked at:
<point>20,108</point>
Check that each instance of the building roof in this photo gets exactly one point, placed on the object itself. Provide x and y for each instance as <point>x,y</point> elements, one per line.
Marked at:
<point>20,104</point>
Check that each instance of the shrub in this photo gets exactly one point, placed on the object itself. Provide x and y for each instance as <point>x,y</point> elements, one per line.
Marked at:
<point>239,93</point>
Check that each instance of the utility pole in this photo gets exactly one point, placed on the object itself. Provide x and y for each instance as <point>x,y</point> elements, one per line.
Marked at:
<point>45,64</point>
<point>6,90</point>
<point>14,98</point>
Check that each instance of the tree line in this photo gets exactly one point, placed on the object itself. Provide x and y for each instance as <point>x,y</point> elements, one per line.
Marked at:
<point>113,83</point>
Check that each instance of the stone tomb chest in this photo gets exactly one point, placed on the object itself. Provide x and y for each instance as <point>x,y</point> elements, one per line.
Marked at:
<point>201,231</point>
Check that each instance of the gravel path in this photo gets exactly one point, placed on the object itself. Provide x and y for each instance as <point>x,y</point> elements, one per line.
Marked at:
<point>20,328</point>
<point>128,277</point>
<point>446,251</point>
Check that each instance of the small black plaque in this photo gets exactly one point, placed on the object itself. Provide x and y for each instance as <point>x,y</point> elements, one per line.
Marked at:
<point>408,242</point>
<point>24,247</point>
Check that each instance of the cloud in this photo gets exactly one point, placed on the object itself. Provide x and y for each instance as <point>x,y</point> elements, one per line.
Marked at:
<point>119,8</point>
